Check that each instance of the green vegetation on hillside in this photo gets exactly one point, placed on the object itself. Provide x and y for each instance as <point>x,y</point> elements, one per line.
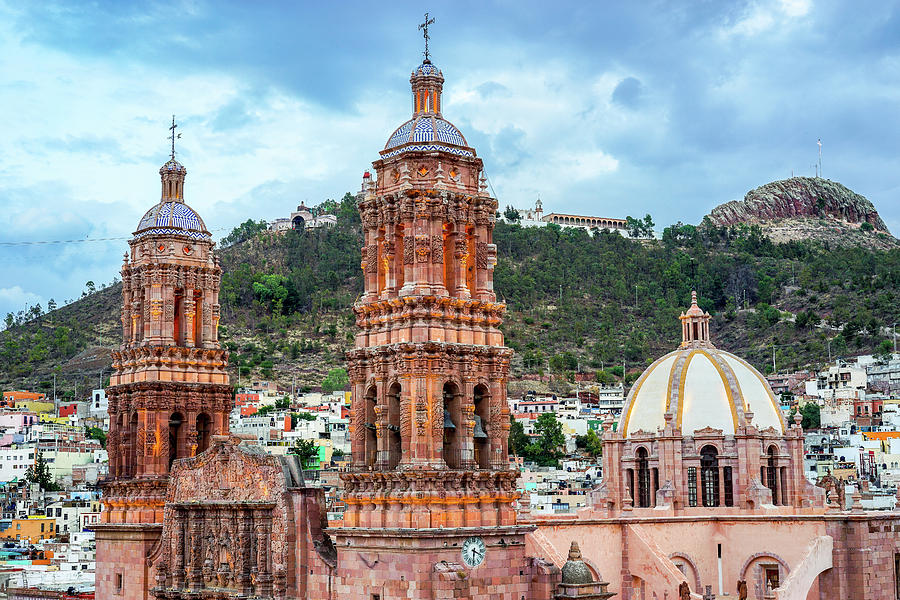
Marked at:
<point>575,301</point>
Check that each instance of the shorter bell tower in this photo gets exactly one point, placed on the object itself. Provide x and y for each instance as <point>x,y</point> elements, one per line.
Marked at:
<point>169,393</point>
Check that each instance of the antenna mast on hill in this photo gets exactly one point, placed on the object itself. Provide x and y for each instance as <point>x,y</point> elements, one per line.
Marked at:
<point>819,171</point>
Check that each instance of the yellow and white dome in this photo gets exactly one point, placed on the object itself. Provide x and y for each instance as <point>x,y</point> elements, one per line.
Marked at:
<point>700,386</point>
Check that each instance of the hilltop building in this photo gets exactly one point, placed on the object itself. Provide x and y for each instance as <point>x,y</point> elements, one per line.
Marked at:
<point>302,218</point>
<point>535,217</point>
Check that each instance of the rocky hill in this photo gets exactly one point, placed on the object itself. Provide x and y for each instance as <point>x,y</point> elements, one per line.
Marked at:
<point>807,208</point>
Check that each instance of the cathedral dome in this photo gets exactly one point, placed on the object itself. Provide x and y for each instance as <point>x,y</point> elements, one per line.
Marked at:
<point>172,217</point>
<point>426,129</point>
<point>699,386</point>
<point>427,69</point>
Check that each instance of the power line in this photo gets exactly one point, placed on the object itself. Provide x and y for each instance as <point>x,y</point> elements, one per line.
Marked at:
<point>81,240</point>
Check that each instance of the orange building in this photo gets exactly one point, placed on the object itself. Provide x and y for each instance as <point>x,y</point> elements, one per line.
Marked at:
<point>13,396</point>
<point>33,529</point>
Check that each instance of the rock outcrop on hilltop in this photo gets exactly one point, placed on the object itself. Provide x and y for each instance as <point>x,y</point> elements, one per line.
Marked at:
<point>799,197</point>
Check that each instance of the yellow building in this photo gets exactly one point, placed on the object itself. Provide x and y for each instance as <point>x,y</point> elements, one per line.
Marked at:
<point>33,529</point>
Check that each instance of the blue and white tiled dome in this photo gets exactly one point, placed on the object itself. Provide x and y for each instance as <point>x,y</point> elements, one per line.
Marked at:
<point>172,217</point>
<point>426,68</point>
<point>172,165</point>
<point>427,132</point>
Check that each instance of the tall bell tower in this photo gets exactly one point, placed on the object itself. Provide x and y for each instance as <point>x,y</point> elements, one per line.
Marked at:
<point>430,495</point>
<point>169,393</point>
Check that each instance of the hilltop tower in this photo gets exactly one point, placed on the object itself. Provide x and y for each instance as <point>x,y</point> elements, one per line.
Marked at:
<point>169,393</point>
<point>430,493</point>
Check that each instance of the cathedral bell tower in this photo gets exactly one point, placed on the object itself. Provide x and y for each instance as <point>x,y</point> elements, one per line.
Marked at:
<point>430,493</point>
<point>169,393</point>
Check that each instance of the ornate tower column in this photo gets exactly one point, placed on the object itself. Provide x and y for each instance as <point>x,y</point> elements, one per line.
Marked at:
<point>430,421</point>
<point>170,392</point>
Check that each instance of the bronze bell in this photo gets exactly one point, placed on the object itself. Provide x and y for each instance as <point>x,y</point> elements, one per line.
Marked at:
<point>448,422</point>
<point>478,432</point>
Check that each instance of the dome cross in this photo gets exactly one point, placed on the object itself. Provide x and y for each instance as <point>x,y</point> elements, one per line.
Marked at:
<point>172,136</point>
<point>424,28</point>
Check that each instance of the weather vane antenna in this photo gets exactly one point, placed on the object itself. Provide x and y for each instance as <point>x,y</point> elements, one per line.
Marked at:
<point>173,137</point>
<point>424,28</point>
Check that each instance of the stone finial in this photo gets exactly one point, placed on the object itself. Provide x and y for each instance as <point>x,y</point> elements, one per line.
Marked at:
<point>574,551</point>
<point>798,418</point>
<point>575,572</point>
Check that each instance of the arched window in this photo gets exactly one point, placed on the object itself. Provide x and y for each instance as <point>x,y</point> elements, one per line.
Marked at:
<point>709,476</point>
<point>771,475</point>
<point>643,478</point>
<point>450,265</point>
<point>204,430</point>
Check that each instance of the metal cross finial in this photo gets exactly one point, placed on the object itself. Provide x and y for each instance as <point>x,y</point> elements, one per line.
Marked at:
<point>424,28</point>
<point>173,137</point>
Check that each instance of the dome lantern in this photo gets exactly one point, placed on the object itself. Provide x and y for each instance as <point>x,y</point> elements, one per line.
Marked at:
<point>695,326</point>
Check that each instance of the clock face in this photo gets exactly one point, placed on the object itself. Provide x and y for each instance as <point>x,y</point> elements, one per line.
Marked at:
<point>473,550</point>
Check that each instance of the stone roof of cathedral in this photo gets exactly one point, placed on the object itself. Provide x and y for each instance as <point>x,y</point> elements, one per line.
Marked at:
<point>700,386</point>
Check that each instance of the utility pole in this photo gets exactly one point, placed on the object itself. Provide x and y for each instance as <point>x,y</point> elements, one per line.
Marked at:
<point>774,370</point>
<point>894,335</point>
<point>829,349</point>
<point>635,295</point>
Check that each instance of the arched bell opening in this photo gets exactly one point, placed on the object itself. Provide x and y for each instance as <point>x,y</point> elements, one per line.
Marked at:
<point>298,223</point>
<point>130,468</point>
<point>176,422</point>
<point>451,449</point>
<point>204,431</point>
<point>480,435</point>
<point>394,441</point>
<point>371,447</point>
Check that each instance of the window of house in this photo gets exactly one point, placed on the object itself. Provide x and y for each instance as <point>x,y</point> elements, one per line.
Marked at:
<point>770,573</point>
<point>118,583</point>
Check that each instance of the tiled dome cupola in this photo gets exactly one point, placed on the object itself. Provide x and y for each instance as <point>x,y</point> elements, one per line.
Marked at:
<point>427,130</point>
<point>172,216</point>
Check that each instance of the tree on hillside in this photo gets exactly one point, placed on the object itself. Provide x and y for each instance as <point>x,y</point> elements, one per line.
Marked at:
<point>810,413</point>
<point>518,440</point>
<point>590,443</point>
<point>551,441</point>
<point>39,473</point>
<point>245,231</point>
<point>307,450</point>
<point>335,380</point>
<point>511,214</point>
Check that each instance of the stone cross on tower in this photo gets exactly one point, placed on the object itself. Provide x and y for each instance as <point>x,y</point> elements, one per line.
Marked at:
<point>173,137</point>
<point>424,28</point>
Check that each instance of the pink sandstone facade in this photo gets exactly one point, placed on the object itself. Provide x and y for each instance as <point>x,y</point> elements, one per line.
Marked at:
<point>703,492</point>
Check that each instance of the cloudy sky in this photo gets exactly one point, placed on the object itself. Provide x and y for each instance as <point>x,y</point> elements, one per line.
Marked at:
<point>601,108</point>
